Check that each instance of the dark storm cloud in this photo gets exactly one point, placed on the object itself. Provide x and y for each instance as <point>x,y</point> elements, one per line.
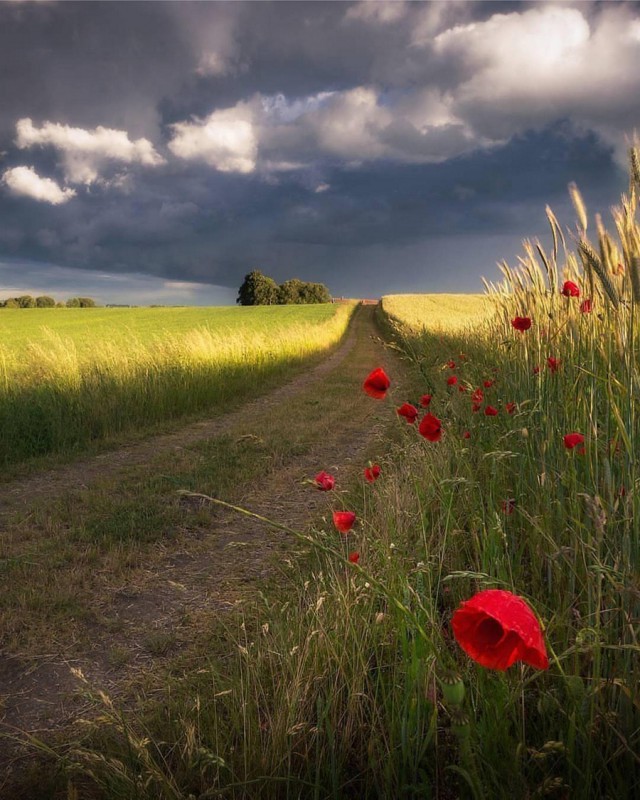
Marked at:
<point>378,145</point>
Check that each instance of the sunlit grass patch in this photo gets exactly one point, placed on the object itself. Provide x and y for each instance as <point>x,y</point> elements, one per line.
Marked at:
<point>80,381</point>
<point>437,312</point>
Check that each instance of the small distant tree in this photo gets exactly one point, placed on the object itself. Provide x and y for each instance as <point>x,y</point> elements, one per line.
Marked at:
<point>44,301</point>
<point>73,302</point>
<point>257,290</point>
<point>87,302</point>
<point>26,301</point>
<point>301,292</point>
<point>12,302</point>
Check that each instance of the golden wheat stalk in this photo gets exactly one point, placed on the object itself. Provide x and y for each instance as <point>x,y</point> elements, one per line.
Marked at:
<point>578,204</point>
<point>635,278</point>
<point>592,261</point>
<point>634,158</point>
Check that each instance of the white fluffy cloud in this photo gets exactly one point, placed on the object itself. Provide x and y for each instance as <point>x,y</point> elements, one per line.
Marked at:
<point>85,153</point>
<point>360,125</point>
<point>530,68</point>
<point>25,181</point>
<point>225,140</point>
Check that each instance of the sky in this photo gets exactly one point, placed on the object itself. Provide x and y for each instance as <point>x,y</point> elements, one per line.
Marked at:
<point>156,152</point>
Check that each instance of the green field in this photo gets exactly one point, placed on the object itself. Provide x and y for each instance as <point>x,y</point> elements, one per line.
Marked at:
<point>91,328</point>
<point>70,378</point>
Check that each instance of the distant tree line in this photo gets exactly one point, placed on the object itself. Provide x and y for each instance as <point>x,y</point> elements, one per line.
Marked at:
<point>260,290</point>
<point>44,301</point>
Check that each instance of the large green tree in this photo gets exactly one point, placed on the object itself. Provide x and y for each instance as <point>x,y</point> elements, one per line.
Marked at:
<point>44,301</point>
<point>257,290</point>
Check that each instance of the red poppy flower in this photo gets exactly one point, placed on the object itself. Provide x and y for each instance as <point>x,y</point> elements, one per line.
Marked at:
<point>497,628</point>
<point>409,412</point>
<point>343,520</point>
<point>377,383</point>
<point>536,370</point>
<point>431,428</point>
<point>508,506</point>
<point>521,323</point>
<point>488,384</point>
<point>324,481</point>
<point>462,388</point>
<point>620,269</point>
<point>571,440</point>
<point>476,407</point>
<point>570,289</point>
<point>451,364</point>
<point>372,473</point>
<point>466,435</point>
<point>511,407</point>
<point>490,411</point>
<point>553,363</point>
<point>477,396</point>
<point>586,306</point>
<point>354,557</point>
<point>425,400</point>
<point>452,380</point>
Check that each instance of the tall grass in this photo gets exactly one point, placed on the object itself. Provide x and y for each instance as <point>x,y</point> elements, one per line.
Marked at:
<point>62,392</point>
<point>339,690</point>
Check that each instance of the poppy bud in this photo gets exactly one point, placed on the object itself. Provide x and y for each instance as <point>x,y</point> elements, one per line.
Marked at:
<point>460,723</point>
<point>452,687</point>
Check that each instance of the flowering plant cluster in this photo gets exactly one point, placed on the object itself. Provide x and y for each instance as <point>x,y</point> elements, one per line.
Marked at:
<point>495,627</point>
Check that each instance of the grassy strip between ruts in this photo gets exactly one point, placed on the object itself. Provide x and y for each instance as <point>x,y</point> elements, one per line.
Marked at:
<point>69,391</point>
<point>340,690</point>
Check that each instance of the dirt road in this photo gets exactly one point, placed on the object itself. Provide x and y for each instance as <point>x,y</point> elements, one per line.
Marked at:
<point>138,614</point>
